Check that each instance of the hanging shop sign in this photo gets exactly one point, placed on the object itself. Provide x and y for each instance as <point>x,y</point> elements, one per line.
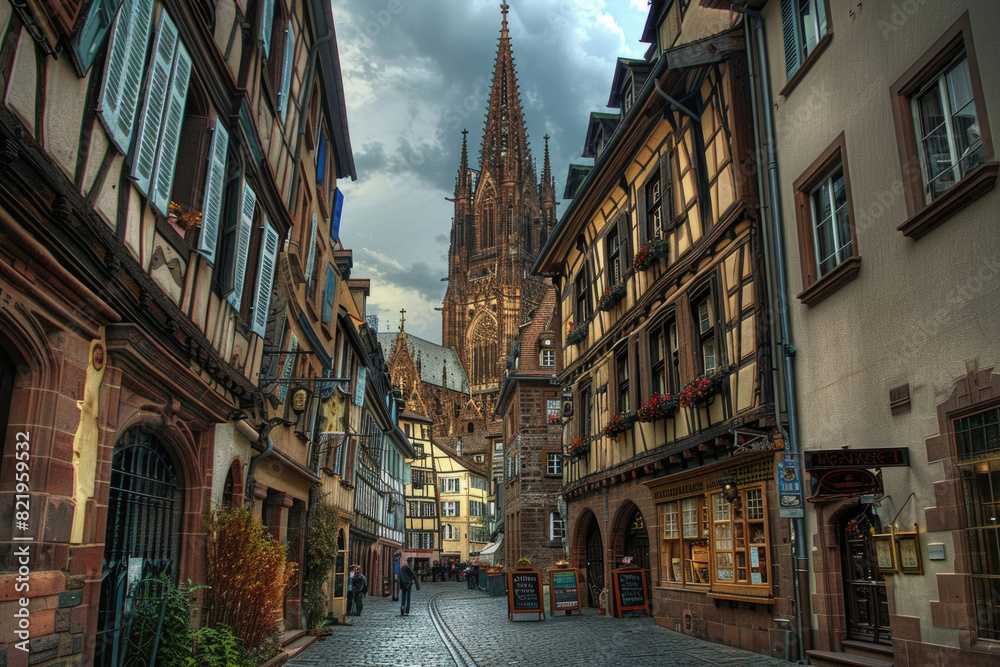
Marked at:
<point>846,482</point>
<point>789,491</point>
<point>887,457</point>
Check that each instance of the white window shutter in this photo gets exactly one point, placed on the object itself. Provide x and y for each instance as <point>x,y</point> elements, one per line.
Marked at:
<point>286,75</point>
<point>157,95</point>
<point>266,21</point>
<point>215,182</point>
<point>126,57</point>
<point>311,252</point>
<point>173,118</point>
<point>242,246</point>
<point>265,278</point>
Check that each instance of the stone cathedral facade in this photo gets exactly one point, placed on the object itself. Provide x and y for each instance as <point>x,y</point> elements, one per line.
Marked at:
<point>503,215</point>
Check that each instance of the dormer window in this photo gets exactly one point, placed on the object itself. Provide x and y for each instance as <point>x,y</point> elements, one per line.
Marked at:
<point>627,95</point>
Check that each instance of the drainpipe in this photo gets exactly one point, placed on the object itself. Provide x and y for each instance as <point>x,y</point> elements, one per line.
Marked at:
<point>264,432</point>
<point>764,109</point>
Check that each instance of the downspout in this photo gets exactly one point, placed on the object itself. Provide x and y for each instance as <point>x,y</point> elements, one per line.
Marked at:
<point>248,494</point>
<point>763,108</point>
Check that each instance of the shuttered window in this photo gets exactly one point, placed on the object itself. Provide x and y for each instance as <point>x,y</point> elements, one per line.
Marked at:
<point>162,115</point>
<point>215,182</point>
<point>328,294</point>
<point>265,279</point>
<point>87,41</point>
<point>311,252</point>
<point>803,24</point>
<point>242,246</point>
<point>286,76</point>
<point>267,19</point>
<point>123,74</point>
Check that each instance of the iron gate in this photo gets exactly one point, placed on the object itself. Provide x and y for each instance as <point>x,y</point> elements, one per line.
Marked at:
<point>138,544</point>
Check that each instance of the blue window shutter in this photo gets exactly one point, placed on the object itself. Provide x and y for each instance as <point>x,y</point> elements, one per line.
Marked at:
<point>126,57</point>
<point>170,140</point>
<point>328,294</point>
<point>215,182</point>
<point>157,96</point>
<point>242,246</point>
<point>338,210</point>
<point>321,159</point>
<point>311,251</point>
<point>790,30</point>
<point>286,75</point>
<point>265,279</point>
<point>90,37</point>
<point>266,21</point>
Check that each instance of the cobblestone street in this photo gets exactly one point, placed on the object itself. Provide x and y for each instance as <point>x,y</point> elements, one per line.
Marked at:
<point>450,626</point>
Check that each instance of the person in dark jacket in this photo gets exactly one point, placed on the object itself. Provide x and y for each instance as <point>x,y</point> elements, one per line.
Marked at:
<point>359,583</point>
<point>407,580</point>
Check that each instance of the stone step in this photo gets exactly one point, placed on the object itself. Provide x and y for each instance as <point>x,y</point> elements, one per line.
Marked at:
<point>842,658</point>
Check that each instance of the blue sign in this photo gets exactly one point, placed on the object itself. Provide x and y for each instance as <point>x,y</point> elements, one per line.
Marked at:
<point>789,491</point>
<point>338,210</point>
<point>359,392</point>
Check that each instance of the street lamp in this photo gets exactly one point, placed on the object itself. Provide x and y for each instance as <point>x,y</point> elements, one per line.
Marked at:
<point>728,485</point>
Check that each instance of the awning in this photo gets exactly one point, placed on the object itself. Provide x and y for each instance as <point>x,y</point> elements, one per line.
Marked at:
<point>488,554</point>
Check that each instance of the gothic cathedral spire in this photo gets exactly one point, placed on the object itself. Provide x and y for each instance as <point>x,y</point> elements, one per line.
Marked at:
<point>501,216</point>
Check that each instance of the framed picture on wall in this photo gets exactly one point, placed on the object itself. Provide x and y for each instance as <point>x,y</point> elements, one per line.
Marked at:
<point>885,553</point>
<point>908,546</point>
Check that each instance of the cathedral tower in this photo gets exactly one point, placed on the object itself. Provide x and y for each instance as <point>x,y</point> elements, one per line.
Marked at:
<point>502,216</point>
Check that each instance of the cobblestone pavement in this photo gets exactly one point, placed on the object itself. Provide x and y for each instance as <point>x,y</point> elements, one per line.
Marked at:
<point>452,626</point>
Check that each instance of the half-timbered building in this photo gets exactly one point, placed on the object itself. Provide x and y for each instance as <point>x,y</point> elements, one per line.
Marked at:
<point>671,440</point>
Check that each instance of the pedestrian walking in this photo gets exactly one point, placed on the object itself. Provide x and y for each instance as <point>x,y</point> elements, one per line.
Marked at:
<point>359,584</point>
<point>407,580</point>
<point>350,590</point>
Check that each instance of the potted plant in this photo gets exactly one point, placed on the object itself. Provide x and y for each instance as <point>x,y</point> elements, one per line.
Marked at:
<point>576,334</point>
<point>648,254</point>
<point>618,424</point>
<point>523,561</point>
<point>659,406</point>
<point>612,296</point>
<point>579,447</point>
<point>700,390</point>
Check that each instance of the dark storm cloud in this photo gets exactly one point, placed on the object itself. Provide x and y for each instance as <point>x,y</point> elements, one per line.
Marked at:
<point>419,277</point>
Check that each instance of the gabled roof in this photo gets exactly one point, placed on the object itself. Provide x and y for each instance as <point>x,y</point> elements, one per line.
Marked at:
<point>434,361</point>
<point>599,119</point>
<point>639,69</point>
<point>577,172</point>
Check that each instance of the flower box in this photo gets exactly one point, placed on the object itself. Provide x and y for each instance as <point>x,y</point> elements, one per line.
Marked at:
<point>579,447</point>
<point>700,390</point>
<point>659,406</point>
<point>619,424</point>
<point>612,296</point>
<point>576,334</point>
<point>649,254</point>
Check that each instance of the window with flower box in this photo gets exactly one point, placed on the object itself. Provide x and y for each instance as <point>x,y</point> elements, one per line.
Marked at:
<point>704,315</point>
<point>622,379</point>
<point>582,298</point>
<point>618,249</point>
<point>664,357</point>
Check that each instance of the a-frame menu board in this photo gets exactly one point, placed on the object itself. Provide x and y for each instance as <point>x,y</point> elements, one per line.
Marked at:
<point>524,592</point>
<point>630,590</point>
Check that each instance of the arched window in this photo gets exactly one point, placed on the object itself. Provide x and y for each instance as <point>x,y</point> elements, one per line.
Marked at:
<point>487,219</point>
<point>449,531</point>
<point>483,342</point>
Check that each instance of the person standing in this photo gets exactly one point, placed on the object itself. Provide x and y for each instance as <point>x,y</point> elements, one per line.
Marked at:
<point>350,590</point>
<point>360,586</point>
<point>407,579</point>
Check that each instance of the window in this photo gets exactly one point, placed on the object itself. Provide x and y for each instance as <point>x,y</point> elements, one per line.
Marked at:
<point>804,24</point>
<point>411,508</point>
<point>654,212</point>
<point>450,508</point>
<point>739,534</point>
<point>622,379</point>
<point>418,451</point>
<point>548,359</point>
<point>586,412</point>
<point>684,550</point>
<point>513,464</point>
<point>705,323</point>
<point>478,483</point>
<point>557,529</point>
<point>977,440</point>
<point>582,297</point>
<point>476,508</point>
<point>553,410</point>
<point>615,261</point>
<point>428,509</point>
<point>664,358</point>
<point>448,531</point>
<point>553,463</point>
<point>450,484</point>
<point>942,131</point>
<point>825,219</point>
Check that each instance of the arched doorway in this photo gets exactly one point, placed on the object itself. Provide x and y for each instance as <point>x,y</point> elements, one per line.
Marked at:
<point>144,509</point>
<point>865,600</point>
<point>637,544</point>
<point>595,563</point>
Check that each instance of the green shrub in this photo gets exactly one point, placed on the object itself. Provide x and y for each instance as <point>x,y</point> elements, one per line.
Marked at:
<point>321,556</point>
<point>218,647</point>
<point>174,648</point>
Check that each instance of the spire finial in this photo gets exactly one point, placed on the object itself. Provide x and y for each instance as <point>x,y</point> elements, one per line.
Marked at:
<point>504,8</point>
<point>402,318</point>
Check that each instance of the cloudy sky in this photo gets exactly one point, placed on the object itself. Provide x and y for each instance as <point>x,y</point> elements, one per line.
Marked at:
<point>418,72</point>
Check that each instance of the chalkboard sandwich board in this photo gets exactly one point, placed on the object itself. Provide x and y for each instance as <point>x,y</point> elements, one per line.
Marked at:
<point>630,590</point>
<point>524,592</point>
<point>564,584</point>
